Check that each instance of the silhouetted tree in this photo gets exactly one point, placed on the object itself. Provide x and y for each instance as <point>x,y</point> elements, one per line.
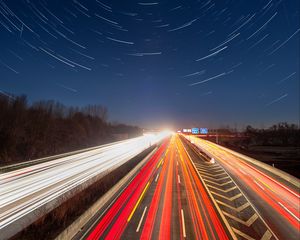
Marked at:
<point>48,127</point>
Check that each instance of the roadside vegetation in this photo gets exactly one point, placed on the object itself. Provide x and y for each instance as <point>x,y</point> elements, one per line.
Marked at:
<point>278,146</point>
<point>45,128</point>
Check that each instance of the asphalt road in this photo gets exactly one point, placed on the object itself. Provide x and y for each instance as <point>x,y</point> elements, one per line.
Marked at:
<point>274,202</point>
<point>177,194</point>
<point>180,194</point>
<point>28,193</point>
<point>166,200</point>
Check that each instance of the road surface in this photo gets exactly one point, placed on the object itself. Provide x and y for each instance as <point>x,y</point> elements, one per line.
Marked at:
<point>30,192</point>
<point>275,201</point>
<point>178,194</point>
<point>163,201</point>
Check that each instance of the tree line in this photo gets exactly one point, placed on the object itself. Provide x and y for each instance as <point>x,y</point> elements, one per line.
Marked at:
<point>45,128</point>
<point>281,134</point>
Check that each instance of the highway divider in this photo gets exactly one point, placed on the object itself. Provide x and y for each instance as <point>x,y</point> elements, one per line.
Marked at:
<point>81,221</point>
<point>48,222</point>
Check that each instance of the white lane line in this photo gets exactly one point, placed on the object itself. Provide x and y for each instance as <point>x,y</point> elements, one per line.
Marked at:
<point>156,177</point>
<point>259,185</point>
<point>178,179</point>
<point>285,208</point>
<point>141,220</point>
<point>177,163</point>
<point>183,224</point>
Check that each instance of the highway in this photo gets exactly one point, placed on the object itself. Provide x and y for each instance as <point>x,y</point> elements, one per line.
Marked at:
<point>30,192</point>
<point>276,200</point>
<point>178,194</point>
<point>164,201</point>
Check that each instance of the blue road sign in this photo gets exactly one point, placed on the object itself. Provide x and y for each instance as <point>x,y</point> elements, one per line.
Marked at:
<point>203,131</point>
<point>195,130</point>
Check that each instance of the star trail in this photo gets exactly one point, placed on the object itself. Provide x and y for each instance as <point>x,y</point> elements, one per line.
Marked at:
<point>155,63</point>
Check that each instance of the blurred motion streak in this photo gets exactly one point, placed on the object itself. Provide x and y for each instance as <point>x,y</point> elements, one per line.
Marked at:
<point>165,205</point>
<point>25,191</point>
<point>280,197</point>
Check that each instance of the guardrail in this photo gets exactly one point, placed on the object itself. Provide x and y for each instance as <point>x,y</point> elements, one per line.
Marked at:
<point>27,191</point>
<point>277,172</point>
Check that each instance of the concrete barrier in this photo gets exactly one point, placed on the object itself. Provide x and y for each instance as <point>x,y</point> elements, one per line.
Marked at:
<point>81,221</point>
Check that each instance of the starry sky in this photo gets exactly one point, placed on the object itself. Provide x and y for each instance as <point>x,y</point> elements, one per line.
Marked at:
<point>176,63</point>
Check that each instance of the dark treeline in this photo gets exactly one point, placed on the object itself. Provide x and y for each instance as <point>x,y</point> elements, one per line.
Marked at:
<point>278,145</point>
<point>45,128</point>
<point>281,134</point>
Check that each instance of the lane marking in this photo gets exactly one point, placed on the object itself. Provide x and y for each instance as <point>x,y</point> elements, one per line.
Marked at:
<point>219,184</point>
<point>114,198</point>
<point>210,194</point>
<point>238,209</point>
<point>212,175</point>
<point>219,189</point>
<point>210,170</point>
<point>286,188</point>
<point>244,235</point>
<point>139,200</point>
<point>141,220</point>
<point>178,179</point>
<point>260,217</point>
<point>267,235</point>
<point>156,177</point>
<point>285,208</point>
<point>267,186</point>
<point>158,165</point>
<point>183,224</point>
<point>248,159</point>
<point>219,179</point>
<point>247,223</point>
<point>230,199</point>
<point>259,185</point>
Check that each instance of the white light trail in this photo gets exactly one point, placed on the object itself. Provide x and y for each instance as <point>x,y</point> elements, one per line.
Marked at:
<point>26,190</point>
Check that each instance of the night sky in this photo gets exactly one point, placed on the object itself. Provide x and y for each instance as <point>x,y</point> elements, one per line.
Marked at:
<point>155,63</point>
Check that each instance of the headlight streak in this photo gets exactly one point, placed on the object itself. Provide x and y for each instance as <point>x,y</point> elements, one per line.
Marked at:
<point>25,190</point>
<point>281,198</point>
<point>136,186</point>
<point>158,206</point>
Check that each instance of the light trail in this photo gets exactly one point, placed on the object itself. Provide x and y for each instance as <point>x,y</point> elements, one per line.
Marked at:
<point>128,198</point>
<point>208,215</point>
<point>23,192</point>
<point>273,190</point>
<point>153,208</point>
<point>173,203</point>
<point>165,226</point>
